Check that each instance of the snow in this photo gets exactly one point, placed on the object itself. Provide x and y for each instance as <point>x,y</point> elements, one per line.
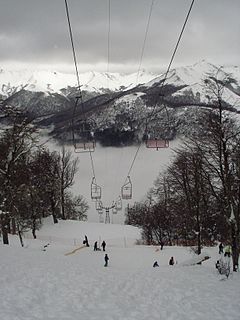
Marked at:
<point>53,81</point>
<point>40,285</point>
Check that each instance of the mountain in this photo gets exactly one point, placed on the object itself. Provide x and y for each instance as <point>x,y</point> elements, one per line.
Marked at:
<point>54,82</point>
<point>119,105</point>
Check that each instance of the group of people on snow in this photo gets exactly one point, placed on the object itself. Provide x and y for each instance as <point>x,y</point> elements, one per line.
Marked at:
<point>103,245</point>
<point>95,248</point>
<point>227,250</point>
<point>171,263</point>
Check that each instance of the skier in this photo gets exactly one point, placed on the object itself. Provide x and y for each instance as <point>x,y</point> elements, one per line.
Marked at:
<point>155,264</point>
<point>95,248</point>
<point>220,247</point>
<point>171,261</point>
<point>106,260</point>
<point>103,245</point>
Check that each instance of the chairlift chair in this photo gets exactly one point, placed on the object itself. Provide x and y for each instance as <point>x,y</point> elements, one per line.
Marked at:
<point>95,190</point>
<point>127,189</point>
<point>118,204</point>
<point>99,205</point>
<point>154,141</point>
<point>101,218</point>
<point>83,137</point>
<point>100,212</point>
<point>114,208</point>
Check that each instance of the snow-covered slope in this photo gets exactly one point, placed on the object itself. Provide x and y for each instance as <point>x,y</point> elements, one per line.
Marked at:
<point>191,78</point>
<point>41,285</point>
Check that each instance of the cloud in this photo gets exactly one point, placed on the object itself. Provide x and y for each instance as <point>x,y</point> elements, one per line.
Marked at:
<point>36,32</point>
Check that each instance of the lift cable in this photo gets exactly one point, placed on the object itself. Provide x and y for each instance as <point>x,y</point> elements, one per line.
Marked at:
<point>79,97</point>
<point>92,164</point>
<point>73,48</point>
<point>108,38</point>
<point>144,42</point>
<point>137,78</point>
<point>165,77</point>
<point>171,61</point>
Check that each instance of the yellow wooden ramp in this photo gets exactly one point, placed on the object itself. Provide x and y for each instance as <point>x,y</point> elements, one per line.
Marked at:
<point>75,250</point>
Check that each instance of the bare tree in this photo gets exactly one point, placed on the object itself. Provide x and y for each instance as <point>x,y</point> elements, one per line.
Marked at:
<point>66,172</point>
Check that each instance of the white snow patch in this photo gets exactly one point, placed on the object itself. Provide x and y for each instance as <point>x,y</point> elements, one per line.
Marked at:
<point>40,285</point>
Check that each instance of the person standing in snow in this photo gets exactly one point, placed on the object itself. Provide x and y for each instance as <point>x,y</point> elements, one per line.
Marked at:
<point>171,261</point>
<point>106,260</point>
<point>86,241</point>
<point>220,247</point>
<point>95,246</point>
<point>227,251</point>
<point>103,245</point>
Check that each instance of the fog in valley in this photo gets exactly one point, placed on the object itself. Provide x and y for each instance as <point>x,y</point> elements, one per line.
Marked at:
<point>111,166</point>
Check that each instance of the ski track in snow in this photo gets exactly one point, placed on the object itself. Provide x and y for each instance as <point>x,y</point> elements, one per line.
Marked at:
<point>42,285</point>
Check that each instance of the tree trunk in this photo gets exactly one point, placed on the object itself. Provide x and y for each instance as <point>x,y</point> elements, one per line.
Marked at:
<point>53,207</point>
<point>4,230</point>
<point>5,235</point>
<point>235,247</point>
<point>20,236</point>
<point>14,229</point>
<point>34,228</point>
<point>63,205</point>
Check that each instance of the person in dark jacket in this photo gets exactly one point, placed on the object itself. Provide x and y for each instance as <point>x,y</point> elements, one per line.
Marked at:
<point>155,264</point>
<point>86,241</point>
<point>106,260</point>
<point>220,247</point>
<point>103,245</point>
<point>95,248</point>
<point>171,261</point>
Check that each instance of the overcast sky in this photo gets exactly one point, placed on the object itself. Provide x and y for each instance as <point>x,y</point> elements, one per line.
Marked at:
<point>34,33</point>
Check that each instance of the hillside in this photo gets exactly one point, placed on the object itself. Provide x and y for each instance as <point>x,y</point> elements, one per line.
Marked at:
<point>49,284</point>
<point>116,106</point>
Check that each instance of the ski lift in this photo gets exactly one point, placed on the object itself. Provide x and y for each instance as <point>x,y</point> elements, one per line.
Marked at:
<point>155,141</point>
<point>99,205</point>
<point>83,137</point>
<point>100,212</point>
<point>127,189</point>
<point>114,208</point>
<point>95,190</point>
<point>101,218</point>
<point>118,204</point>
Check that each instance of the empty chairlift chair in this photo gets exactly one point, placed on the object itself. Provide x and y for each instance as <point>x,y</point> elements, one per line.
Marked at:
<point>99,205</point>
<point>95,190</point>
<point>127,189</point>
<point>101,218</point>
<point>118,204</point>
<point>155,141</point>
<point>83,137</point>
<point>114,208</point>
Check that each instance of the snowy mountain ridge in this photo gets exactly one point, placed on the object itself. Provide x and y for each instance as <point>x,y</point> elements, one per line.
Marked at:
<point>53,81</point>
<point>115,103</point>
